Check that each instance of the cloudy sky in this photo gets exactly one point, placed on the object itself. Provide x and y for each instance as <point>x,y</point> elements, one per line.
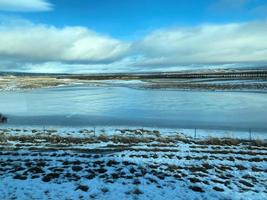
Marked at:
<point>83,36</point>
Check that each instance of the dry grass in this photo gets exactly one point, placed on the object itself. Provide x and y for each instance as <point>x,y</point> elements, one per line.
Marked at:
<point>221,142</point>
<point>103,137</point>
<point>26,82</point>
<point>3,138</point>
<point>231,142</point>
<point>131,139</point>
<point>51,137</point>
<point>258,143</point>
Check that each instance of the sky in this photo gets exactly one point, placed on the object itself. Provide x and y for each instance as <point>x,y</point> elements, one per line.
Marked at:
<point>106,36</point>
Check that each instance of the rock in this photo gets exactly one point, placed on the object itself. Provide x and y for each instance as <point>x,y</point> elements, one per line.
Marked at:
<point>83,188</point>
<point>101,170</point>
<point>20,177</point>
<point>41,164</point>
<point>196,189</point>
<point>218,189</point>
<point>111,163</point>
<point>194,180</point>
<point>104,190</point>
<point>36,170</point>
<point>35,176</point>
<point>115,176</point>
<point>77,168</point>
<point>49,177</point>
<point>90,176</point>
<point>136,182</point>
<point>137,192</point>
<point>246,183</point>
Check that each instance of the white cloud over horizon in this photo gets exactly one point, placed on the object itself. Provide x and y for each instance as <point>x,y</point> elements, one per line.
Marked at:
<point>33,47</point>
<point>237,42</point>
<point>42,43</point>
<point>25,5</point>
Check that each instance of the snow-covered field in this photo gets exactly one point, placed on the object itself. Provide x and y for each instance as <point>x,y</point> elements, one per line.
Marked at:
<point>129,164</point>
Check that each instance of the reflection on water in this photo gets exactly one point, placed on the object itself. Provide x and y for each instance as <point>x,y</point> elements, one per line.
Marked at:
<point>125,106</point>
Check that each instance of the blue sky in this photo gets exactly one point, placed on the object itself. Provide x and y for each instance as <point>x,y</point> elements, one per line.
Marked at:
<point>131,35</point>
<point>126,18</point>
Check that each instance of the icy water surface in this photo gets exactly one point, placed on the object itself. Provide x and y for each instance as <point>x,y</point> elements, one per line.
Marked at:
<point>80,105</point>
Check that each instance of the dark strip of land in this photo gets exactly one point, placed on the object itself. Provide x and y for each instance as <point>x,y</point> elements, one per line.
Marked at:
<point>240,74</point>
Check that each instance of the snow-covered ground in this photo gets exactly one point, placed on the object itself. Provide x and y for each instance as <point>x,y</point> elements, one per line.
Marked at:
<point>125,163</point>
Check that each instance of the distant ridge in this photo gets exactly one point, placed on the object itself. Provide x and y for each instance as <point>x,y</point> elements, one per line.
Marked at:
<point>171,73</point>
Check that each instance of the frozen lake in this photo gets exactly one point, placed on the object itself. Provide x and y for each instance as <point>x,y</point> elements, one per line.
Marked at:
<point>122,106</point>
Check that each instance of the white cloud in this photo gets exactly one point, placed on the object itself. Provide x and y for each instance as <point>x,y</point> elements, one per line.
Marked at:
<point>241,42</point>
<point>36,47</point>
<point>25,5</point>
<point>41,43</point>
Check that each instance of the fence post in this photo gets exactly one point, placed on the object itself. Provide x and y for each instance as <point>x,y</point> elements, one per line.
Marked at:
<point>94,131</point>
<point>250,137</point>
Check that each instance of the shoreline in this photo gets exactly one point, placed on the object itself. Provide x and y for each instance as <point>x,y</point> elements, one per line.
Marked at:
<point>248,84</point>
